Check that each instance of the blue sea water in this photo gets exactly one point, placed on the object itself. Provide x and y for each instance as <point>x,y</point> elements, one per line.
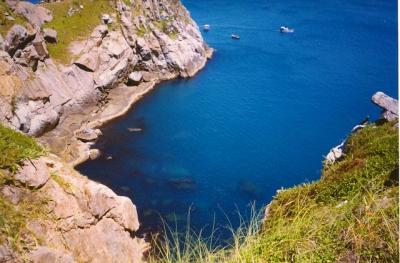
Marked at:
<point>260,116</point>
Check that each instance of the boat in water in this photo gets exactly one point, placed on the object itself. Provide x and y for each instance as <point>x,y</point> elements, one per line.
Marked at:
<point>235,36</point>
<point>285,29</point>
<point>206,27</point>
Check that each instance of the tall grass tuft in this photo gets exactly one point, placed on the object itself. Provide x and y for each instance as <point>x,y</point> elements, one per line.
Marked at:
<point>350,215</point>
<point>172,246</point>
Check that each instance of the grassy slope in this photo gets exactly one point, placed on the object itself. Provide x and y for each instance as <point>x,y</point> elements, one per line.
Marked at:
<point>75,27</point>
<point>16,148</point>
<point>6,24</point>
<point>350,214</point>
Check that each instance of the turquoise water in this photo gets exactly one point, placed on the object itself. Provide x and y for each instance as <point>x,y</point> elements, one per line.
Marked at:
<point>260,116</point>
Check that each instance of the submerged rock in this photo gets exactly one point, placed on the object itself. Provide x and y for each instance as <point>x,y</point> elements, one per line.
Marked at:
<point>182,183</point>
<point>135,129</point>
<point>250,189</point>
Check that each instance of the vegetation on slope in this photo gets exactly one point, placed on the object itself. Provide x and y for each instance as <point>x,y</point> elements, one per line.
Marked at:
<point>350,215</point>
<point>15,148</point>
<point>8,18</point>
<point>76,25</point>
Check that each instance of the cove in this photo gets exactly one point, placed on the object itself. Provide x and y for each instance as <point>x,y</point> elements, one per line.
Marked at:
<point>259,117</point>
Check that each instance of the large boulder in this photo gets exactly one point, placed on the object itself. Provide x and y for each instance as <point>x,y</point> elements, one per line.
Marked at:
<point>43,122</point>
<point>89,61</point>
<point>34,173</point>
<point>335,154</point>
<point>17,37</point>
<point>35,14</point>
<point>50,35</point>
<point>390,106</point>
<point>104,202</point>
<point>87,134</point>
<point>135,78</point>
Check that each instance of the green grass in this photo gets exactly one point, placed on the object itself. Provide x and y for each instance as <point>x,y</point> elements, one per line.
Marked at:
<point>15,148</point>
<point>6,24</point>
<point>350,215</point>
<point>75,27</point>
<point>61,182</point>
<point>165,26</point>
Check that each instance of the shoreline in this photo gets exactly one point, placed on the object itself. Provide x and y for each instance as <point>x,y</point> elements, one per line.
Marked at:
<point>121,99</point>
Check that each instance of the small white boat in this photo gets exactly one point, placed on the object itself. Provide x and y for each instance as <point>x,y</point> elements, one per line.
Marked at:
<point>235,36</point>
<point>285,29</point>
<point>206,27</point>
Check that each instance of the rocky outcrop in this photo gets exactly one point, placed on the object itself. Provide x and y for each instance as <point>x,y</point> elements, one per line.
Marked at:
<point>156,40</point>
<point>390,106</point>
<point>86,221</point>
<point>34,14</point>
<point>389,113</point>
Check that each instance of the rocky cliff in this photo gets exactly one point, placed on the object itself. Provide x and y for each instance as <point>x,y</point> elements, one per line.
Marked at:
<point>66,67</point>
<point>135,46</point>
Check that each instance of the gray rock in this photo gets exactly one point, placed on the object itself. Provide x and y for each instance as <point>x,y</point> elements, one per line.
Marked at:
<point>94,154</point>
<point>6,254</point>
<point>135,78</point>
<point>87,135</point>
<point>111,76</point>
<point>17,38</point>
<point>389,116</point>
<point>2,43</point>
<point>34,173</point>
<point>50,35</point>
<point>125,214</point>
<point>100,31</point>
<point>89,61</point>
<point>388,104</point>
<point>143,49</point>
<point>35,14</point>
<point>335,154</point>
<point>12,193</point>
<point>44,122</point>
<point>105,18</point>
<point>49,255</point>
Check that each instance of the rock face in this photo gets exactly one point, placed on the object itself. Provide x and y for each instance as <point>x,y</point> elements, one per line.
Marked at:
<point>87,221</point>
<point>33,174</point>
<point>390,106</point>
<point>159,42</point>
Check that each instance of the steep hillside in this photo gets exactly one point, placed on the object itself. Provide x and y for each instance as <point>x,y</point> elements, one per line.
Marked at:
<point>51,213</point>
